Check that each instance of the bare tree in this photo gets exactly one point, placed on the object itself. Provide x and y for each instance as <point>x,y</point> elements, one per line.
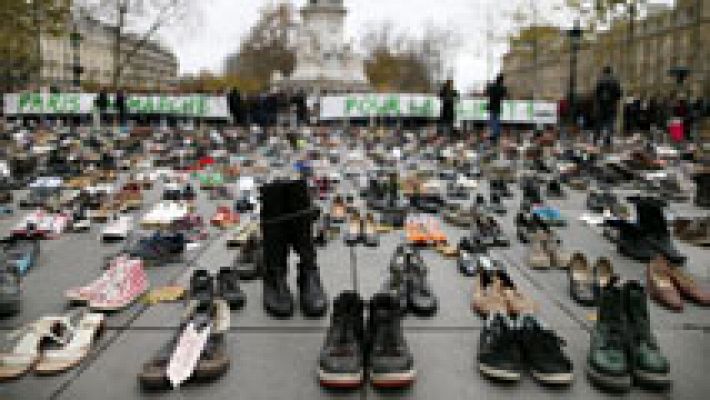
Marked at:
<point>145,18</point>
<point>397,60</point>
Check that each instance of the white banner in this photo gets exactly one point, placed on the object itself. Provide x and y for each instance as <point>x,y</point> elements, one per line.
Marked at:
<point>193,105</point>
<point>427,106</point>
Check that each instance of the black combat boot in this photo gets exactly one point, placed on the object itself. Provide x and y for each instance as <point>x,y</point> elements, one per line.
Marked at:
<point>278,300</point>
<point>312,297</point>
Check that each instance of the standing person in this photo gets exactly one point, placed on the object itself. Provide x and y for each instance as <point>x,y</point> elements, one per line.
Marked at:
<point>448,96</point>
<point>496,92</point>
<point>101,104</point>
<point>607,95</point>
<point>300,100</point>
<point>121,107</point>
<point>234,102</point>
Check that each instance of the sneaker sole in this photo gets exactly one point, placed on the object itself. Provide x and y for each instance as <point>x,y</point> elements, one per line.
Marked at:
<point>651,380</point>
<point>499,374</point>
<point>393,379</point>
<point>618,383</point>
<point>563,378</point>
<point>340,380</point>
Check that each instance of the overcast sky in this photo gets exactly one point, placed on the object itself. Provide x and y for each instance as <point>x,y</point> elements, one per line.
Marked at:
<point>203,41</point>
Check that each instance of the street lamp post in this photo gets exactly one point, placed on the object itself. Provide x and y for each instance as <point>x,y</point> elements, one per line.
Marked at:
<point>575,37</point>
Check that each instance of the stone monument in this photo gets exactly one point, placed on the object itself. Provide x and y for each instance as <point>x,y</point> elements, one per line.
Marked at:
<point>325,62</point>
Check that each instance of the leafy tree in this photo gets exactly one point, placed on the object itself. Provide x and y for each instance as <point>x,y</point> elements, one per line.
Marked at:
<point>265,49</point>
<point>23,24</point>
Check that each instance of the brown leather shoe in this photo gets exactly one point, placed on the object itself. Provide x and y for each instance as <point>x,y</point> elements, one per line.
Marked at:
<point>689,287</point>
<point>693,231</point>
<point>488,296</point>
<point>660,284</point>
<point>517,302</point>
<point>538,257</point>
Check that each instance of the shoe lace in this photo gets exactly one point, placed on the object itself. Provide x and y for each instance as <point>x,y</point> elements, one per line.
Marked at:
<point>388,338</point>
<point>502,339</point>
<point>548,343</point>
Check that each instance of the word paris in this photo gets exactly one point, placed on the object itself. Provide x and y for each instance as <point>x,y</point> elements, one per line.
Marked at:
<point>427,106</point>
<point>84,103</point>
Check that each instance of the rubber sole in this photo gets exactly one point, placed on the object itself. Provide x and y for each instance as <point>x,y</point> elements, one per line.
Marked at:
<point>651,380</point>
<point>615,383</point>
<point>340,380</point>
<point>499,374</point>
<point>393,380</point>
<point>563,378</point>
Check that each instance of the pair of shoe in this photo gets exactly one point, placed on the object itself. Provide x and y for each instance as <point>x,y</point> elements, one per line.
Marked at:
<point>649,236</point>
<point>527,225</point>
<point>353,351</point>
<point>409,282</point>
<point>224,217</point>
<point>670,285</point>
<point>50,345</point>
<point>549,215</point>
<point>10,290</point>
<point>554,189</point>
<point>494,291</point>
<point>457,215</point>
<point>506,347</point>
<point>338,210</point>
<point>622,347</point>
<point>424,232</point>
<point>585,281</point>
<point>121,284</point>
<point>545,251</point>
<point>487,230</point>
<point>213,360</point>
<point>361,230</point>
<point>159,248</point>
<point>249,262</point>
<point>471,253</point>
<point>695,231</point>
<point>499,187</point>
<point>204,287</point>
<point>287,216</point>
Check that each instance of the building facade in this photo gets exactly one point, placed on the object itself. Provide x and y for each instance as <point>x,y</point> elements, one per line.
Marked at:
<point>151,67</point>
<point>641,54</point>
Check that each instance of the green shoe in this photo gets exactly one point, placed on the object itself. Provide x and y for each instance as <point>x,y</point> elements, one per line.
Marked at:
<point>650,367</point>
<point>607,364</point>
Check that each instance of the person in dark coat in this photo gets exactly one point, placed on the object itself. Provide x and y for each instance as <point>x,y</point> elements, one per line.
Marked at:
<point>496,92</point>
<point>448,97</point>
<point>236,109</point>
<point>121,107</point>
<point>101,104</point>
<point>607,95</point>
<point>299,100</point>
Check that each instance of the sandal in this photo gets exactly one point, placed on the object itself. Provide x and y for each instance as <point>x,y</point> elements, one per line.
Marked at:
<point>73,350</point>
<point>26,351</point>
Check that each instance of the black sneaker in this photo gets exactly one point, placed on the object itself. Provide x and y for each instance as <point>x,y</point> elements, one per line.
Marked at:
<point>228,288</point>
<point>499,355</point>
<point>391,364</point>
<point>341,362</point>
<point>542,352</point>
<point>421,299</point>
<point>201,286</point>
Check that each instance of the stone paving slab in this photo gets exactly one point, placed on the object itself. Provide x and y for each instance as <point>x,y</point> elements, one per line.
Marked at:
<point>277,358</point>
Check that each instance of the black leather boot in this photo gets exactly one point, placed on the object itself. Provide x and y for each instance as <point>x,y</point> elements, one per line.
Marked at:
<point>653,224</point>
<point>278,300</point>
<point>312,297</point>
